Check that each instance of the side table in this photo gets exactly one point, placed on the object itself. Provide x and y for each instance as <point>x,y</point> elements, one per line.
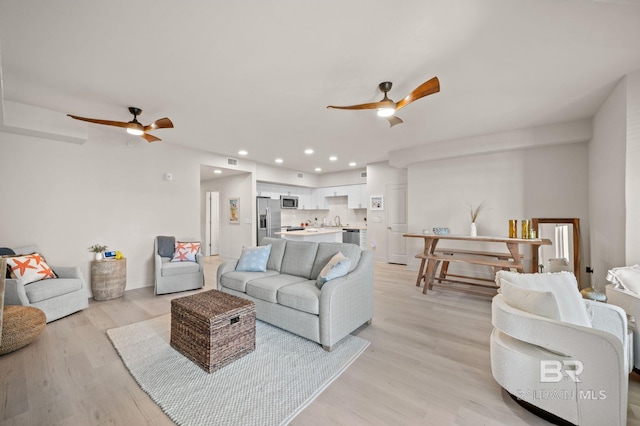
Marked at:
<point>108,278</point>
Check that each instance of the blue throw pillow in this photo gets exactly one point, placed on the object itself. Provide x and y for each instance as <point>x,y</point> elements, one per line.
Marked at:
<point>254,259</point>
<point>338,266</point>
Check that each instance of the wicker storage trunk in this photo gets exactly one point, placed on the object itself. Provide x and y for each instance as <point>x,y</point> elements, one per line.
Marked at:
<point>213,328</point>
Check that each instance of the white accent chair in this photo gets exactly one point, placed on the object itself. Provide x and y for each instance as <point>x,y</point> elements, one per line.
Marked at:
<point>624,291</point>
<point>172,277</point>
<point>541,321</point>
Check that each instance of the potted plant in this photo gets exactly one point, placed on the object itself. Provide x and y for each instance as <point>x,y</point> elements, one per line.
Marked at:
<point>98,250</point>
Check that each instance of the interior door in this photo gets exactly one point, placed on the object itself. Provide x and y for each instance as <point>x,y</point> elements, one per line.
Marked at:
<point>396,205</point>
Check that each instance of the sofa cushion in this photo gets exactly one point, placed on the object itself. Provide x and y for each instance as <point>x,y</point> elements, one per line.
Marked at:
<point>170,269</point>
<point>254,259</point>
<point>542,303</point>
<point>277,252</point>
<point>338,266</point>
<point>237,280</point>
<point>304,296</point>
<point>298,258</point>
<point>267,288</point>
<point>327,250</point>
<point>564,287</point>
<point>166,245</point>
<point>43,290</point>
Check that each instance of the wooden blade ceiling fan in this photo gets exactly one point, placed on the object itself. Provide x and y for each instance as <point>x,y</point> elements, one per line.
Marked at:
<point>387,108</point>
<point>133,127</point>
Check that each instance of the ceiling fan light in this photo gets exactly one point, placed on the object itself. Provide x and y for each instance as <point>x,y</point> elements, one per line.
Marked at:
<point>134,131</point>
<point>386,112</point>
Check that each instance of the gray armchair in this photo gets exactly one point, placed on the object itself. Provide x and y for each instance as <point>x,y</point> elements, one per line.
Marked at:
<point>172,277</point>
<point>56,297</point>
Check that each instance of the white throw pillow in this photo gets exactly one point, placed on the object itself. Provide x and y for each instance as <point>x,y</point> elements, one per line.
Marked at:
<point>564,287</point>
<point>542,303</point>
<point>627,277</point>
<point>338,266</point>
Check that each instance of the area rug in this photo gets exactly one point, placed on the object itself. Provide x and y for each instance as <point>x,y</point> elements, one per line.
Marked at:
<point>269,386</point>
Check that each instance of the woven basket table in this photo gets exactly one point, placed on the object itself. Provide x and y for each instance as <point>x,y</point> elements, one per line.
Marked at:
<point>213,328</point>
<point>21,326</point>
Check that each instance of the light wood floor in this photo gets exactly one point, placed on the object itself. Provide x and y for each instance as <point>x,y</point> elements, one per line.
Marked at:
<point>428,364</point>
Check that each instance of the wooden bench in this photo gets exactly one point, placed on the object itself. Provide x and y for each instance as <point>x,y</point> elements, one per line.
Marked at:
<point>432,256</point>
<point>495,260</point>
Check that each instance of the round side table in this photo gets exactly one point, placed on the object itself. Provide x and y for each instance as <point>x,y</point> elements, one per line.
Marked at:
<point>108,278</point>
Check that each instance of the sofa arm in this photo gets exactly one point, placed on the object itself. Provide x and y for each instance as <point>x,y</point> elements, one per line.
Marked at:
<point>347,302</point>
<point>67,271</point>
<point>200,261</point>
<point>228,266</point>
<point>609,318</point>
<point>157,265</point>
<point>70,272</point>
<point>14,293</point>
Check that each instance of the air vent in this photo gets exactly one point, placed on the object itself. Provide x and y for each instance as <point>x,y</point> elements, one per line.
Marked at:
<point>232,161</point>
<point>363,174</point>
<point>301,175</point>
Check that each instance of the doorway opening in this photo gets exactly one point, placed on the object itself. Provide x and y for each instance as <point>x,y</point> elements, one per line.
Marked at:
<point>212,223</point>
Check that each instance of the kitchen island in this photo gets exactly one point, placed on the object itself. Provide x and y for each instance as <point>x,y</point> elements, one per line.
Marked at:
<point>320,235</point>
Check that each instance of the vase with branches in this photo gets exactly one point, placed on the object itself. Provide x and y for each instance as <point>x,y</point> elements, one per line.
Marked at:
<point>474,212</point>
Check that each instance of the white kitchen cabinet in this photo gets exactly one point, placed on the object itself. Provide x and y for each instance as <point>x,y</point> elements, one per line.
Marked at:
<point>357,195</point>
<point>304,200</point>
<point>336,191</point>
<point>319,200</point>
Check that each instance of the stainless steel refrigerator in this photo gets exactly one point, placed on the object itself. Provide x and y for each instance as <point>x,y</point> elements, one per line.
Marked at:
<point>268,217</point>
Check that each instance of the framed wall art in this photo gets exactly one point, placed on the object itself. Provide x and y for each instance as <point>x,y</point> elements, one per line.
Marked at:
<point>234,210</point>
<point>376,202</point>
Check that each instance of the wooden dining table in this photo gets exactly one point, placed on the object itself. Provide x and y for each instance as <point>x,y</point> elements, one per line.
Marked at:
<point>432,256</point>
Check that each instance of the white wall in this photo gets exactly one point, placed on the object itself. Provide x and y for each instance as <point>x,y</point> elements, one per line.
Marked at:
<point>537,182</point>
<point>349,177</point>
<point>66,197</point>
<point>607,208</point>
<point>232,236</point>
<point>632,178</point>
<point>282,175</point>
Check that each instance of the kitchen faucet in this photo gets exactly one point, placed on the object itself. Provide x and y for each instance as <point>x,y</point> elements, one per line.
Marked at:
<point>338,221</point>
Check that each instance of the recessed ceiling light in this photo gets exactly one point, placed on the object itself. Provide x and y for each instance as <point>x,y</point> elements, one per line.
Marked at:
<point>279,160</point>
<point>242,152</point>
<point>353,163</point>
<point>318,169</point>
<point>333,158</point>
<point>216,171</point>
<point>308,151</point>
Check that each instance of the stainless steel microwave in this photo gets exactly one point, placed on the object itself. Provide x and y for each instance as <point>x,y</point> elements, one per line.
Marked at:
<point>288,202</point>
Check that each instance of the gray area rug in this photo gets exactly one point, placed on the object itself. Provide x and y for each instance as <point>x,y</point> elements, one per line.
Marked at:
<point>269,386</point>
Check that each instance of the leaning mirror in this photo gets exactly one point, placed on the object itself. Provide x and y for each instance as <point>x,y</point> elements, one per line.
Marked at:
<point>564,252</point>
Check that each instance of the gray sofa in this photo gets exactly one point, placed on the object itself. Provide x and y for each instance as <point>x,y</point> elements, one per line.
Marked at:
<point>286,294</point>
<point>56,297</point>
